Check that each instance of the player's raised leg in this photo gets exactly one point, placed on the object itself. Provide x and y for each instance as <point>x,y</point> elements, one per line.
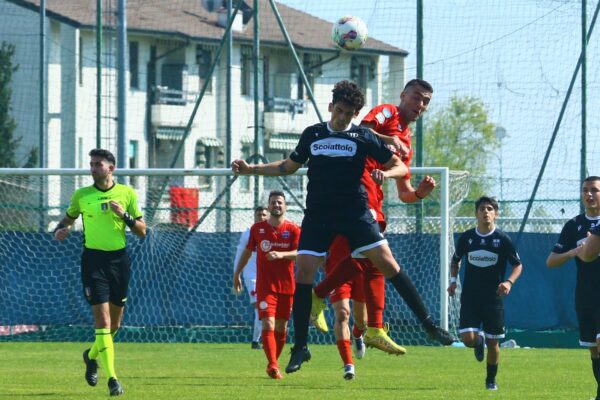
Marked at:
<point>381,256</point>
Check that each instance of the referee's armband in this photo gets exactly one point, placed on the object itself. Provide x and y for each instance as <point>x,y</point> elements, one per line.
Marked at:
<point>130,222</point>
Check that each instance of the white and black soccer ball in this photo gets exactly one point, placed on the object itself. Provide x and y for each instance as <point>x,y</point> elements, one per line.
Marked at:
<point>349,33</point>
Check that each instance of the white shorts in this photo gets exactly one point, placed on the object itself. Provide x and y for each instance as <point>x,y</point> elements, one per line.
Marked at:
<point>251,289</point>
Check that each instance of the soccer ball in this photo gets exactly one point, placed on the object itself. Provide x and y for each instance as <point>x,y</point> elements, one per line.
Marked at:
<point>349,33</point>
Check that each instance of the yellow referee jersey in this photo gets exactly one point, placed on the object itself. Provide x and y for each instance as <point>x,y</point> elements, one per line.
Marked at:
<point>102,228</point>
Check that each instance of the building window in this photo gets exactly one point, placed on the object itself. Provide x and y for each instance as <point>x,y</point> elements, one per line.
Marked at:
<point>204,60</point>
<point>362,70</point>
<point>80,59</point>
<point>134,80</point>
<point>209,154</point>
<point>246,70</point>
<point>312,69</point>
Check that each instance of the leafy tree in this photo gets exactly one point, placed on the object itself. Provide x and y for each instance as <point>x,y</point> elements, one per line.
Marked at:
<point>460,136</point>
<point>9,144</point>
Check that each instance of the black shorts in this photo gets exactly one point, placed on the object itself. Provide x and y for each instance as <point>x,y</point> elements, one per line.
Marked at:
<point>589,325</point>
<point>317,234</point>
<point>105,276</point>
<point>489,314</point>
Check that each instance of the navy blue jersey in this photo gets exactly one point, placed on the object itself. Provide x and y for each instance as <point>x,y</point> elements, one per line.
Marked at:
<point>336,161</point>
<point>573,233</point>
<point>486,257</point>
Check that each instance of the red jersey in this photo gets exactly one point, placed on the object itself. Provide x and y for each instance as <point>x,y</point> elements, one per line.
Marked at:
<point>275,276</point>
<point>389,122</point>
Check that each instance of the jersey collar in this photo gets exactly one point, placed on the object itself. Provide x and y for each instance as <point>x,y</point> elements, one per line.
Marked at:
<point>484,235</point>
<point>592,218</point>
<point>105,190</point>
<point>330,129</point>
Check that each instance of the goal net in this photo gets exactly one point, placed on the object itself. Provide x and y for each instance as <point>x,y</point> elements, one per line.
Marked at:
<point>180,289</point>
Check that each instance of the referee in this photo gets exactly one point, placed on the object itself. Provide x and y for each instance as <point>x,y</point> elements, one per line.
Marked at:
<point>106,208</point>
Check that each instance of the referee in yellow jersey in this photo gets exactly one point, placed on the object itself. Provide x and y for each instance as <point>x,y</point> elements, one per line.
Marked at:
<point>106,208</point>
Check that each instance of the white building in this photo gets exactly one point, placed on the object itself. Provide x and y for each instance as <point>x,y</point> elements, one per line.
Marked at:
<point>171,47</point>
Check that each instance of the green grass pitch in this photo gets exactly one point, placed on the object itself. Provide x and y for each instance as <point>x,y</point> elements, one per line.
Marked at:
<point>234,371</point>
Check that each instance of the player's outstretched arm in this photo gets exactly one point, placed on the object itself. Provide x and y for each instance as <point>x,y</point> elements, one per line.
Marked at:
<point>63,228</point>
<point>275,168</point>
<point>555,260</point>
<point>408,194</point>
<point>590,249</point>
<point>394,168</point>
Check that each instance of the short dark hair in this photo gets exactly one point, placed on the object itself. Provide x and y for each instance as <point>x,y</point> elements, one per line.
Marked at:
<point>485,199</point>
<point>260,208</point>
<point>107,155</point>
<point>419,82</point>
<point>592,178</point>
<point>348,93</point>
<point>275,193</point>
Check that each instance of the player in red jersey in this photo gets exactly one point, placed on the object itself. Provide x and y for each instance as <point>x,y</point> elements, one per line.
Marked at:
<point>391,124</point>
<point>340,300</point>
<point>275,242</point>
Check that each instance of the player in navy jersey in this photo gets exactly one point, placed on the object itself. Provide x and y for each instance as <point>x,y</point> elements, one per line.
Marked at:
<point>587,296</point>
<point>487,250</point>
<point>336,203</point>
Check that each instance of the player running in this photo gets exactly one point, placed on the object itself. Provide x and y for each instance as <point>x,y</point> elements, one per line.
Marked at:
<point>487,250</point>
<point>275,241</point>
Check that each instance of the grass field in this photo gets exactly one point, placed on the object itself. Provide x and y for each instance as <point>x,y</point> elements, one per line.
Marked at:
<point>234,371</point>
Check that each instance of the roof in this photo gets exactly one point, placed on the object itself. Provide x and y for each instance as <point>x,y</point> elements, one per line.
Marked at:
<point>187,19</point>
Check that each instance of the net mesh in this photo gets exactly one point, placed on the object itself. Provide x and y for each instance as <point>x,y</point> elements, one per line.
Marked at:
<point>182,271</point>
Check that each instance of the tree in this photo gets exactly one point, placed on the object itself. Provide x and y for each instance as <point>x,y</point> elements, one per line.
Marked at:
<point>9,144</point>
<point>460,136</point>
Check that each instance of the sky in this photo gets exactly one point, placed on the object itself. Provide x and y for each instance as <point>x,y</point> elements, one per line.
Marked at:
<point>518,56</point>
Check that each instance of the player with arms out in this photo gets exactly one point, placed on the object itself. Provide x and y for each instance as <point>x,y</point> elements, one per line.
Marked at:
<point>587,297</point>
<point>275,241</point>
<point>336,204</point>
<point>392,124</point>
<point>107,208</point>
<point>487,250</point>
<point>249,275</point>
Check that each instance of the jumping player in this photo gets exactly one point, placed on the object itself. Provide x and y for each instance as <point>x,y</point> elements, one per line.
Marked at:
<point>336,152</point>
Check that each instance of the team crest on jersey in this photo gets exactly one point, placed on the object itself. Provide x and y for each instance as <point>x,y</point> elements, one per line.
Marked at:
<point>261,230</point>
<point>482,242</point>
<point>496,242</point>
<point>265,245</point>
<point>470,242</point>
<point>578,227</point>
<point>386,112</point>
<point>380,118</point>
<point>104,207</point>
<point>334,147</point>
<point>285,234</point>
